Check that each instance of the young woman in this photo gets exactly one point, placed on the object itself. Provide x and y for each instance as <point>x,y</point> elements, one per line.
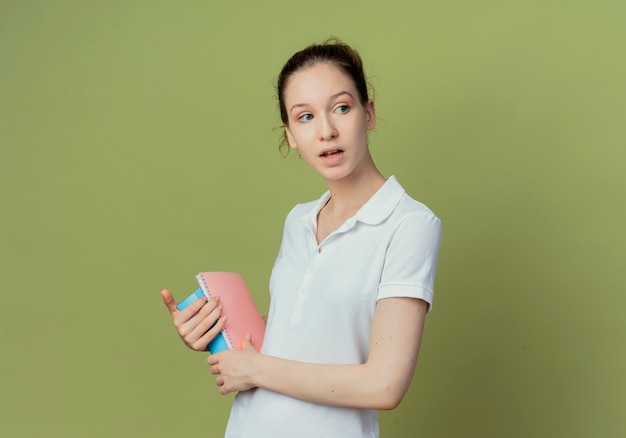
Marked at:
<point>352,282</point>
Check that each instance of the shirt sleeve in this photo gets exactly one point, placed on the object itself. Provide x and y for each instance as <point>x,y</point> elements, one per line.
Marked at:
<point>411,259</point>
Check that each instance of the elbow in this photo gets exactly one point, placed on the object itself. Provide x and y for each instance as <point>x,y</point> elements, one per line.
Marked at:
<point>388,397</point>
<point>387,388</point>
<point>390,401</point>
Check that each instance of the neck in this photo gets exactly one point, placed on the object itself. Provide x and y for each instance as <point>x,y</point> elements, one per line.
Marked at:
<point>349,194</point>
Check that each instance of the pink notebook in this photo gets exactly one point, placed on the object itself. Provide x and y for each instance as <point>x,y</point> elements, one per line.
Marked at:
<point>243,315</point>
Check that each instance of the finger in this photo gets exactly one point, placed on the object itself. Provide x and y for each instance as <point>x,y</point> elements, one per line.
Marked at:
<point>168,300</point>
<point>219,380</point>
<point>210,329</point>
<point>206,338</point>
<point>196,327</point>
<point>214,359</point>
<point>215,368</point>
<point>188,312</point>
<point>188,319</point>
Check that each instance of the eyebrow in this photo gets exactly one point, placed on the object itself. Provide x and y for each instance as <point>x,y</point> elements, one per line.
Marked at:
<point>334,96</point>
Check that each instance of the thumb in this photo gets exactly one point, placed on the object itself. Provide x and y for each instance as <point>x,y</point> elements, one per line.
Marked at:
<point>246,343</point>
<point>168,300</point>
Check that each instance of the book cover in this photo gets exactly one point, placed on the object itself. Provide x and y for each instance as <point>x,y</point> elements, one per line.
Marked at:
<point>237,303</point>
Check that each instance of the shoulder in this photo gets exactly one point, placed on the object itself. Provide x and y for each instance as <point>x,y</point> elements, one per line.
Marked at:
<point>413,211</point>
<point>412,221</point>
<point>393,197</point>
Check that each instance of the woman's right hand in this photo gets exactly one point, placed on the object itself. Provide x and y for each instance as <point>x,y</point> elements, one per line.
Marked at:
<point>195,323</point>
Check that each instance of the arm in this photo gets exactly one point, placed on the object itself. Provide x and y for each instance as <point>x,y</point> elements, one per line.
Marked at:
<point>193,323</point>
<point>380,383</point>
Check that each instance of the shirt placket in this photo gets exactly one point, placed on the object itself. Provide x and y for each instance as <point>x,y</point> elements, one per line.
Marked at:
<point>317,252</point>
<point>303,292</point>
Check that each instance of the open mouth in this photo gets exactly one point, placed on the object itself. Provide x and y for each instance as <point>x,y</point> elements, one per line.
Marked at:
<point>331,152</point>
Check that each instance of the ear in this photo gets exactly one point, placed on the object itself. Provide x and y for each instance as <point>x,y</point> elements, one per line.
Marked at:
<point>290,140</point>
<point>370,115</point>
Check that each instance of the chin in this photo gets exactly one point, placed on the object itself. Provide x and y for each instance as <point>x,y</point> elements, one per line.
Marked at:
<point>336,175</point>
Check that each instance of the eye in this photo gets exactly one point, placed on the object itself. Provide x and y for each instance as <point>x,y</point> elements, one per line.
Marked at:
<point>305,117</point>
<point>342,109</point>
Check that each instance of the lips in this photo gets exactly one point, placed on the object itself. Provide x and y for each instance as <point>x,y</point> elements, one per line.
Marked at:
<point>331,152</point>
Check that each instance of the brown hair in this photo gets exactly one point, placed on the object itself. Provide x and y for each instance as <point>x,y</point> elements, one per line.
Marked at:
<point>332,51</point>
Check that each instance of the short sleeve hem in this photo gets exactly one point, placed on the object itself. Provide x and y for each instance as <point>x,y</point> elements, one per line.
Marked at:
<point>406,291</point>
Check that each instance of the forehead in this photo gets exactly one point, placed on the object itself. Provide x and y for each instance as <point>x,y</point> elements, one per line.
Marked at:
<point>318,81</point>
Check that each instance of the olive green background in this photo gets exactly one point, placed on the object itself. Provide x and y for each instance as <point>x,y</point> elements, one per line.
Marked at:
<point>137,147</point>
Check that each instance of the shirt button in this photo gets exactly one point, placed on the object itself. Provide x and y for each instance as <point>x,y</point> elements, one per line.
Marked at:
<point>295,317</point>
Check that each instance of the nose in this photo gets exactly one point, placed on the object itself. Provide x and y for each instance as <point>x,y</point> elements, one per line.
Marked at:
<point>327,129</point>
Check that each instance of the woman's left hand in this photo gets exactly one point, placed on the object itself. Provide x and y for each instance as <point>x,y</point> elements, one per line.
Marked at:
<point>233,368</point>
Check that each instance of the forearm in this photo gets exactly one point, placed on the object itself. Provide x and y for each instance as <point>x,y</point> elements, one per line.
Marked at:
<point>357,386</point>
<point>380,383</point>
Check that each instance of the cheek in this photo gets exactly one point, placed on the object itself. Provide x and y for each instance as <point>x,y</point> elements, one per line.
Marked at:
<point>302,136</point>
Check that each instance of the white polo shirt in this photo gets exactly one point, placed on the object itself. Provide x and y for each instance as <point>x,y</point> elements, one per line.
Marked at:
<point>322,305</point>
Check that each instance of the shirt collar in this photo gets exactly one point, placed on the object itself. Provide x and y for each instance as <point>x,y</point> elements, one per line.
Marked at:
<point>374,211</point>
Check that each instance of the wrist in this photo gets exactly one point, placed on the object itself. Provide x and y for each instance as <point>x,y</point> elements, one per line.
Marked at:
<point>258,371</point>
